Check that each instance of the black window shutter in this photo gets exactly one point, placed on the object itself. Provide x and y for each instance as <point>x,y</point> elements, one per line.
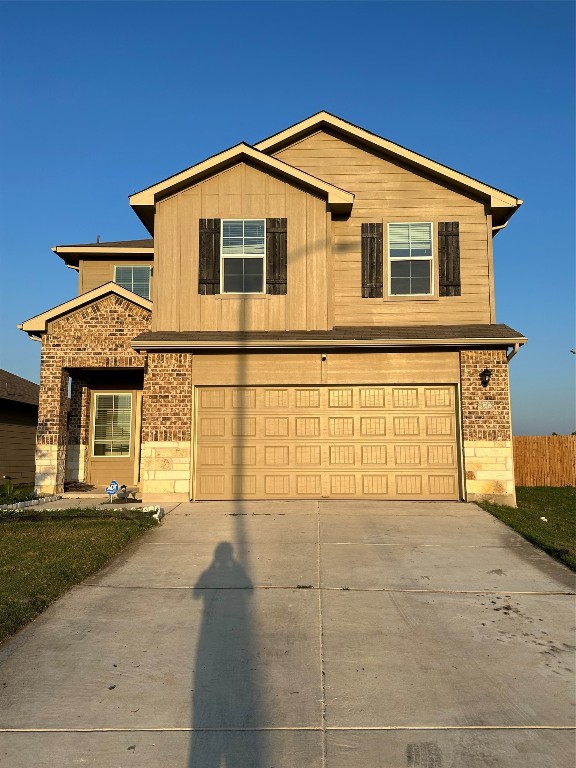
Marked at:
<point>372,281</point>
<point>449,258</point>
<point>209,253</point>
<point>276,256</point>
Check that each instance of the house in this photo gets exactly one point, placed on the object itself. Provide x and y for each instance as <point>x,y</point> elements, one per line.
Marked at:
<point>312,317</point>
<point>18,420</point>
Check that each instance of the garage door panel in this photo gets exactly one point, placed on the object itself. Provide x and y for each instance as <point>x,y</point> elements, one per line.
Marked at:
<point>326,442</point>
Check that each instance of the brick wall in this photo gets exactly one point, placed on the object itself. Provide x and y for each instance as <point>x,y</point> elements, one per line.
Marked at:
<point>478,424</point>
<point>167,403</point>
<point>166,426</point>
<point>486,427</point>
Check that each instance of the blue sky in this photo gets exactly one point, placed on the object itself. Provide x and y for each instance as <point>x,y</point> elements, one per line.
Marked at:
<point>99,100</point>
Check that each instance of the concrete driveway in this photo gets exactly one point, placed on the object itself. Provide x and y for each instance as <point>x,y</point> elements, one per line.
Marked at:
<point>302,635</point>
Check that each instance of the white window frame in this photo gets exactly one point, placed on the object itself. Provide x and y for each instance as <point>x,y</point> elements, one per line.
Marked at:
<point>94,409</point>
<point>143,266</point>
<point>241,256</point>
<point>410,258</point>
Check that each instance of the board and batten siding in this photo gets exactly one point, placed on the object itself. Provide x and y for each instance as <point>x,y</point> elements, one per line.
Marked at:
<point>241,192</point>
<point>96,272</point>
<point>385,191</point>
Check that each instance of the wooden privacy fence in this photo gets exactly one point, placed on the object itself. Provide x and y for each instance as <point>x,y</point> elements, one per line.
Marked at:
<point>547,460</point>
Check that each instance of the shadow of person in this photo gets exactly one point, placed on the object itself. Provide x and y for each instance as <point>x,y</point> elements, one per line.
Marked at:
<point>226,693</point>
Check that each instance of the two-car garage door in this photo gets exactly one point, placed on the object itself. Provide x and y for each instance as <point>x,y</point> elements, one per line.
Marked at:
<point>388,442</point>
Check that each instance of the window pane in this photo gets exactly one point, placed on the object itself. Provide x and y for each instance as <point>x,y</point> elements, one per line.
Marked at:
<point>232,245</point>
<point>233,267</point>
<point>420,285</point>
<point>420,269</point>
<point>400,268</point>
<point>233,283</point>
<point>253,267</point>
<point>254,228</point>
<point>232,228</point>
<point>400,286</point>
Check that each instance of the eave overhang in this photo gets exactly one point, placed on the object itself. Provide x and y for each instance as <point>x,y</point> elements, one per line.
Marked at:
<point>144,202</point>
<point>502,204</point>
<point>498,336</point>
<point>73,254</point>
<point>37,325</point>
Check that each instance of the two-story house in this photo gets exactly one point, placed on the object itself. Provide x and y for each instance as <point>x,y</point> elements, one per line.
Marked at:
<point>312,317</point>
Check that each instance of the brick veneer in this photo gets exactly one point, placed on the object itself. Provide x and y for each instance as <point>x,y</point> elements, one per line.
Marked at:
<point>167,425</point>
<point>486,427</point>
<point>96,336</point>
<point>166,410</point>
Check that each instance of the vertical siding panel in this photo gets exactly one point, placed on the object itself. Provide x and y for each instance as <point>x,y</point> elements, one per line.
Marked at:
<point>329,273</point>
<point>190,208</point>
<point>297,286</point>
<point>316,297</point>
<point>166,314</point>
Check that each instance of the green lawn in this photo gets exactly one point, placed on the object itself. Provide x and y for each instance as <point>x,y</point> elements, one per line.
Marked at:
<point>556,535</point>
<point>45,552</point>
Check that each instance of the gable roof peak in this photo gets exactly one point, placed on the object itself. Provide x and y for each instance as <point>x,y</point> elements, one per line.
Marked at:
<point>503,205</point>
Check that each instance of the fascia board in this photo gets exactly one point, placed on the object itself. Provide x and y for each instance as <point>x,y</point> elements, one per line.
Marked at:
<point>326,344</point>
<point>498,198</point>
<point>95,250</point>
<point>147,198</point>
<point>37,324</point>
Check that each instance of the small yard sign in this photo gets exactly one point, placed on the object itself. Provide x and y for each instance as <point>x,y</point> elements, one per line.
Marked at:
<point>112,489</point>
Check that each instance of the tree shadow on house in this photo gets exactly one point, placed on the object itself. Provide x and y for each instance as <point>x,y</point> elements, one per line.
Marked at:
<point>226,692</point>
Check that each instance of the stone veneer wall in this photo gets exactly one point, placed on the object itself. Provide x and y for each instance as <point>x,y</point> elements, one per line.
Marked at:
<point>486,427</point>
<point>167,426</point>
<point>96,336</point>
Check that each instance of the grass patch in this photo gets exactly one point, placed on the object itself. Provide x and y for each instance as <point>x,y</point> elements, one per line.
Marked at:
<point>557,536</point>
<point>45,552</point>
<point>11,494</point>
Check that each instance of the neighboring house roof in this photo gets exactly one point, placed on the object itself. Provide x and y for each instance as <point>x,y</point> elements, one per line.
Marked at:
<point>17,389</point>
<point>502,203</point>
<point>396,336</point>
<point>71,254</point>
<point>144,202</point>
<point>37,325</point>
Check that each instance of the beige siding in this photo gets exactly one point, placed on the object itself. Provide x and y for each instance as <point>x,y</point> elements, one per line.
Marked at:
<point>17,441</point>
<point>95,272</point>
<point>240,192</point>
<point>338,368</point>
<point>386,191</point>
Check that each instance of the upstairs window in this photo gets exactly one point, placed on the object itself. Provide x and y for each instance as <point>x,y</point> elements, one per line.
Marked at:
<point>243,254</point>
<point>410,259</point>
<point>134,278</point>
